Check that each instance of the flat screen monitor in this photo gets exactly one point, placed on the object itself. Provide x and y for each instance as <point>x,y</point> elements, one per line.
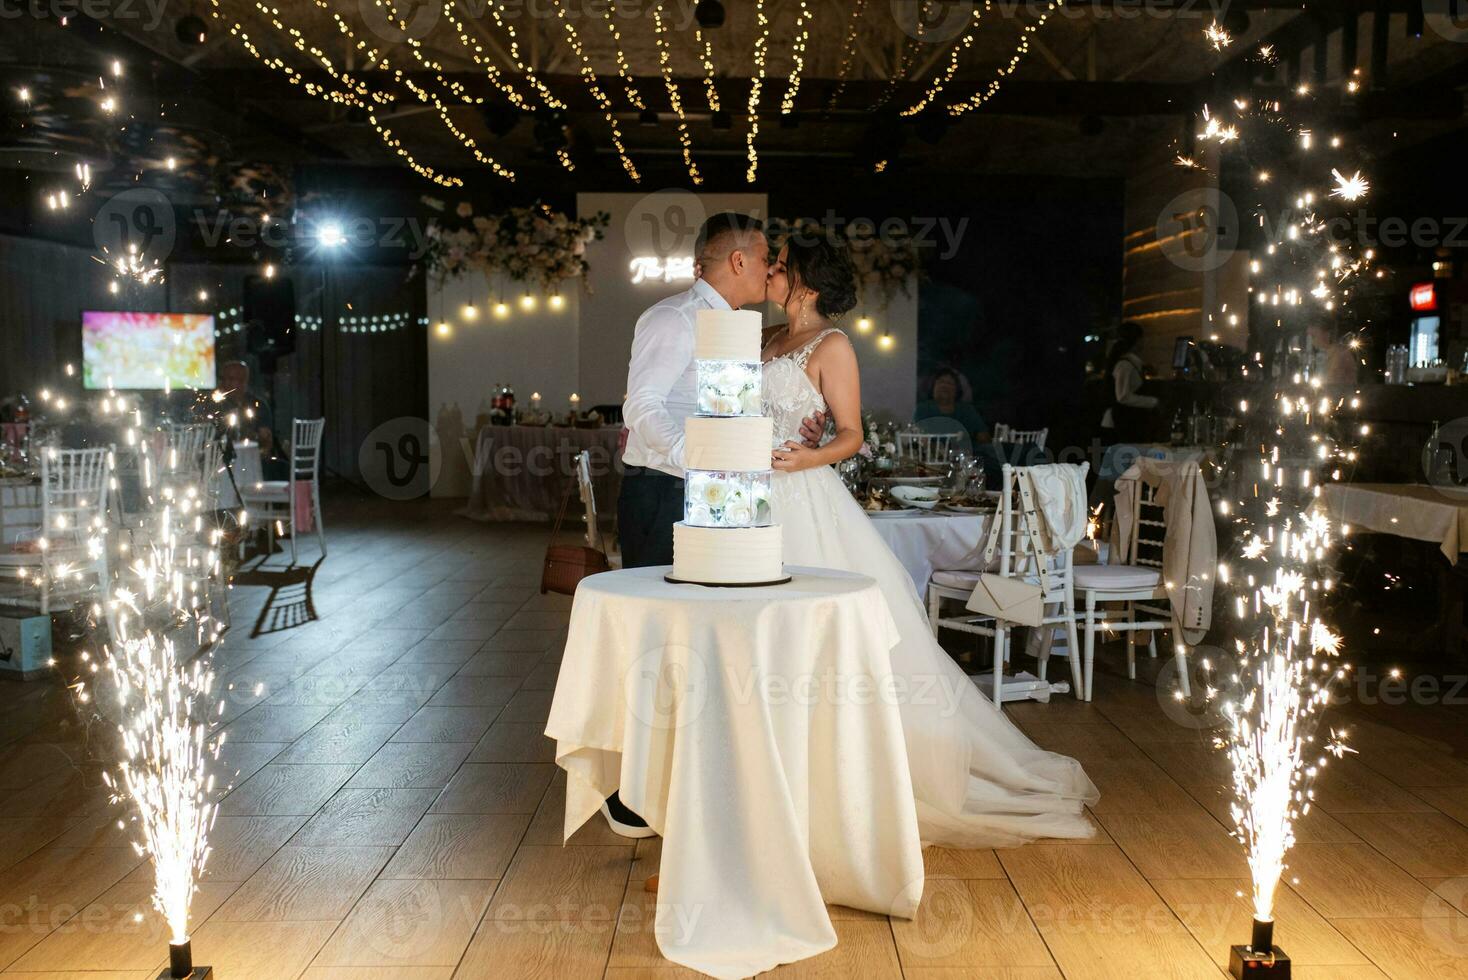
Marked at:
<point>147,350</point>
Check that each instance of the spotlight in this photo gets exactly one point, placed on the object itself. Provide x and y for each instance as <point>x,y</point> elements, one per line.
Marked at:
<point>647,117</point>
<point>500,118</point>
<point>722,120</point>
<point>932,127</point>
<point>191,30</point>
<point>203,296</point>
<point>330,235</point>
<point>709,14</point>
<point>269,270</point>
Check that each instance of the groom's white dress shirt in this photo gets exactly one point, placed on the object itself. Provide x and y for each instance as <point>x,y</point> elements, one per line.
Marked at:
<point>662,378</point>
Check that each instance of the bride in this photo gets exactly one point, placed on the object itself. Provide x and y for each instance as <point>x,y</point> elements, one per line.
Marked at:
<point>978,780</point>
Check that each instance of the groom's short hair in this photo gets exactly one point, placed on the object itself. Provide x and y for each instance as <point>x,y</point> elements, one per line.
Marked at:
<point>722,233</point>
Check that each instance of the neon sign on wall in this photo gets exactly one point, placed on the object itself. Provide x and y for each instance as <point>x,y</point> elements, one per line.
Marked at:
<point>655,268</point>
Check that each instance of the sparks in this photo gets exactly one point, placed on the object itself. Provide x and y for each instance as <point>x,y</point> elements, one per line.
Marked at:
<point>1351,188</point>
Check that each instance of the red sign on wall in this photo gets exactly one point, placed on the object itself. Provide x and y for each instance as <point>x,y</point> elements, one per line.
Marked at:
<point>1424,297</point>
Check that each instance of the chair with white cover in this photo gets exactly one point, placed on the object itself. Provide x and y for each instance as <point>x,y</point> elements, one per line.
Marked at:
<point>925,447</point>
<point>71,538</point>
<point>1137,581</point>
<point>594,537</point>
<point>1017,554</point>
<point>277,500</point>
<point>185,441</point>
<point>1029,437</point>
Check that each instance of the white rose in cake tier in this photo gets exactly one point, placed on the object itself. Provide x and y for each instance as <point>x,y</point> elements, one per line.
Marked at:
<point>728,388</point>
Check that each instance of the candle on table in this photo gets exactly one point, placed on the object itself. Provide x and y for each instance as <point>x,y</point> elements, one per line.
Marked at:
<point>535,400</point>
<point>575,402</point>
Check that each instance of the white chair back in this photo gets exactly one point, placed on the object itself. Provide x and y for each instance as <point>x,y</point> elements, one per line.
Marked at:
<point>1019,556</point>
<point>925,447</point>
<point>185,442</point>
<point>942,425</point>
<point>1007,433</point>
<point>73,494</point>
<point>305,448</point>
<point>588,498</point>
<point>1149,527</point>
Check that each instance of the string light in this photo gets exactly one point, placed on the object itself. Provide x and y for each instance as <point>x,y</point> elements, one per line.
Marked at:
<point>608,12</point>
<point>476,51</point>
<point>848,54</point>
<point>978,99</point>
<point>757,80</point>
<point>935,87</point>
<point>705,45</point>
<point>589,76</point>
<point>800,36</point>
<point>674,99</point>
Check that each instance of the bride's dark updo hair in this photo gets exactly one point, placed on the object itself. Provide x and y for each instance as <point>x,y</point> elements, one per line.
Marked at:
<point>820,264</point>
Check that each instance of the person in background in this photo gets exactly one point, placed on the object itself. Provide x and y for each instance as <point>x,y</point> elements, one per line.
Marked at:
<point>1329,358</point>
<point>1126,415</point>
<point>252,416</point>
<point>945,403</point>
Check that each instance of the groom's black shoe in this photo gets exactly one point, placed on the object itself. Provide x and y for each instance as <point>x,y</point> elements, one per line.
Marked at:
<point>623,821</point>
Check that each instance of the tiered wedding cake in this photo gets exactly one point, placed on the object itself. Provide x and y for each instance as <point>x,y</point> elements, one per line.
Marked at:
<point>725,537</point>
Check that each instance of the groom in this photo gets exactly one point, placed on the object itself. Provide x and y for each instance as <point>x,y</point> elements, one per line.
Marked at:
<point>733,261</point>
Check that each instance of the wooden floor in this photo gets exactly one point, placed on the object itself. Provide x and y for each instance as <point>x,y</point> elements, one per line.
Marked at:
<point>396,814</point>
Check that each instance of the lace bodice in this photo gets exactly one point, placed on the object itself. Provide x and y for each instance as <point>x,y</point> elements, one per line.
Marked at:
<point>788,394</point>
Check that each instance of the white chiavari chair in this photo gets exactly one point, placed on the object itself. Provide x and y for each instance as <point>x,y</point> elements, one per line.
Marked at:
<point>594,536</point>
<point>925,447</point>
<point>1030,437</point>
<point>1138,584</point>
<point>70,541</point>
<point>277,500</point>
<point>1016,557</point>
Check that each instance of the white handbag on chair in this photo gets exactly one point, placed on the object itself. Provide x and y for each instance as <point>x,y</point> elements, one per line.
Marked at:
<point>1010,599</point>
<point>1014,600</point>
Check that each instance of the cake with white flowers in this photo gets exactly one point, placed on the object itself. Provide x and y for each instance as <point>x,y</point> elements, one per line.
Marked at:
<point>727,536</point>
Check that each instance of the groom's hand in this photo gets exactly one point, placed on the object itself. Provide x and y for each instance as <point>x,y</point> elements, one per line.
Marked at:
<point>812,429</point>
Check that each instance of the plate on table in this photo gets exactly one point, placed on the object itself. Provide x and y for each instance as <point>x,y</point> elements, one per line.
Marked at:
<point>911,481</point>
<point>964,509</point>
<point>887,515</point>
<point>915,496</point>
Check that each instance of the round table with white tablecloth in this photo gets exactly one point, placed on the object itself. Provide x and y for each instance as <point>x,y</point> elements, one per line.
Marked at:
<point>928,540</point>
<point>758,731</point>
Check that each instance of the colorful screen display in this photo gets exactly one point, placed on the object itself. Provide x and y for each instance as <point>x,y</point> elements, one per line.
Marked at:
<point>147,350</point>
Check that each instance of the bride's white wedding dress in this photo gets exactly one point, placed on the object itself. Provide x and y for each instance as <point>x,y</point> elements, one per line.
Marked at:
<point>978,780</point>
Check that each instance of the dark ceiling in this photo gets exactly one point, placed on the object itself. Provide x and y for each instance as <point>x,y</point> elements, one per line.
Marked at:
<point>1101,84</point>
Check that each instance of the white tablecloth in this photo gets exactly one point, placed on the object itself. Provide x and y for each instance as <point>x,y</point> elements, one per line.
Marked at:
<point>247,472</point>
<point>1407,510</point>
<point>933,541</point>
<point>757,731</point>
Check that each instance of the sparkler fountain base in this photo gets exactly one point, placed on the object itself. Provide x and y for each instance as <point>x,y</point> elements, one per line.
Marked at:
<point>1261,958</point>
<point>181,964</point>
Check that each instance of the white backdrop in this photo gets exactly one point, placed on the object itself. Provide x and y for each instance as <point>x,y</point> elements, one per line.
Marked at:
<point>584,346</point>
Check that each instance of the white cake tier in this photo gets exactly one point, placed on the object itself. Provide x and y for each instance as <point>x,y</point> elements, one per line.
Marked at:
<point>727,335</point>
<point>733,445</point>
<point>727,555</point>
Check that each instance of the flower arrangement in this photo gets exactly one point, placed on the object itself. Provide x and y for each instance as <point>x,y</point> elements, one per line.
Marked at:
<point>717,499</point>
<point>886,261</point>
<point>728,388</point>
<point>529,245</point>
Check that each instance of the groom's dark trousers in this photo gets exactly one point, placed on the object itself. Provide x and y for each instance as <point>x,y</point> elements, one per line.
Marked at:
<point>651,503</point>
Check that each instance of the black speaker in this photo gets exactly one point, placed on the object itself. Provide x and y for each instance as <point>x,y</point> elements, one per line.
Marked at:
<point>270,315</point>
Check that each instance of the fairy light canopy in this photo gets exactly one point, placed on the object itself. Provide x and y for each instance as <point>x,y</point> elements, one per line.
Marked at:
<point>457,93</point>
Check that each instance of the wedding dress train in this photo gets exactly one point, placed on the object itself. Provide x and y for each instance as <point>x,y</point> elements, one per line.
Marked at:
<point>978,780</point>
